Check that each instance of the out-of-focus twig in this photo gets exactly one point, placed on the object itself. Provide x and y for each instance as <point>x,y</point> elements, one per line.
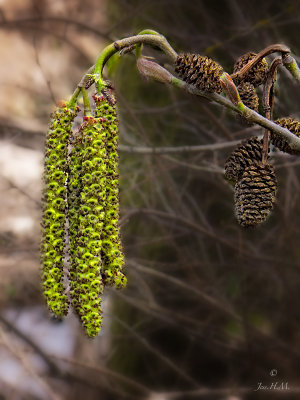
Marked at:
<point>177,149</point>
<point>20,355</point>
<point>211,301</point>
<point>268,103</point>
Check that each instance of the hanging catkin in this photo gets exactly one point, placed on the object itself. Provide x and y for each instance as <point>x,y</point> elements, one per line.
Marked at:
<point>54,209</point>
<point>112,254</point>
<point>86,215</point>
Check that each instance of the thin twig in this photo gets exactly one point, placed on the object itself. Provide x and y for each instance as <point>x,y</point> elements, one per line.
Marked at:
<point>158,353</point>
<point>263,53</point>
<point>268,103</point>
<point>215,304</point>
<point>107,372</point>
<point>51,365</point>
<point>177,149</point>
<point>6,341</point>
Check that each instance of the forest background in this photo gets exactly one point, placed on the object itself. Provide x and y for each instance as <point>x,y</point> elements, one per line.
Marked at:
<point>211,310</point>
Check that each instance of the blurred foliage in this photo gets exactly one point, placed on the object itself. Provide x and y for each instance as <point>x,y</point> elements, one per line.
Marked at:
<point>209,305</point>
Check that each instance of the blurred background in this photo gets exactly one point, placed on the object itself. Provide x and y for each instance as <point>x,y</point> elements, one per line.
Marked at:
<point>211,311</point>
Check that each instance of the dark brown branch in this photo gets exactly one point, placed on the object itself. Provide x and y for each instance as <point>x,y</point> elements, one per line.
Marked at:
<point>268,103</point>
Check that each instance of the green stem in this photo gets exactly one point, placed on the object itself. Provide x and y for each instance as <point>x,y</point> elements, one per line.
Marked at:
<point>178,83</point>
<point>150,39</point>
<point>73,101</point>
<point>74,98</point>
<point>86,103</point>
<point>138,51</point>
<point>290,63</point>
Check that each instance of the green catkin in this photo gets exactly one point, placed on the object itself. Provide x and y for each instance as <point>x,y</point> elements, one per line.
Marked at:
<point>112,254</point>
<point>74,190</point>
<point>87,194</point>
<point>54,209</point>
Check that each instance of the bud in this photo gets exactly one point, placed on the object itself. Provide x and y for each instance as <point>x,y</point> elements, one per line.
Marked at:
<point>152,70</point>
<point>230,88</point>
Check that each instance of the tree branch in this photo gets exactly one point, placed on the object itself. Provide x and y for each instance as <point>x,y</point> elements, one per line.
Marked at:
<point>241,109</point>
<point>176,149</point>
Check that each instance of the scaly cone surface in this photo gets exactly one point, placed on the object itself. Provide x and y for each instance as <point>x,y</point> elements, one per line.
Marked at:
<point>247,153</point>
<point>248,95</point>
<point>257,74</point>
<point>293,125</point>
<point>255,194</point>
<point>200,71</point>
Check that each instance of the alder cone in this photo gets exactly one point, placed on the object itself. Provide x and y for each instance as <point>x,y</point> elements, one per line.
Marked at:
<point>293,125</point>
<point>248,95</point>
<point>255,194</point>
<point>200,71</point>
<point>257,74</point>
<point>247,153</point>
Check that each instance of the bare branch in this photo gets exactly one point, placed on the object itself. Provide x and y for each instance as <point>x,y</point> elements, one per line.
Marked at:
<point>178,149</point>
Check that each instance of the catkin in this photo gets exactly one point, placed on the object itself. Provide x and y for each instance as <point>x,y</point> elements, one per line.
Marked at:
<point>54,209</point>
<point>112,254</point>
<point>86,222</point>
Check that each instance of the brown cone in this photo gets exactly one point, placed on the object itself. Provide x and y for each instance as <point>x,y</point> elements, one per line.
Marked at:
<point>247,153</point>
<point>293,125</point>
<point>200,71</point>
<point>255,194</point>
<point>257,74</point>
<point>248,95</point>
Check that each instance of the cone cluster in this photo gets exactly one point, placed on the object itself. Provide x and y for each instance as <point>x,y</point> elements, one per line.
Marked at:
<point>257,74</point>
<point>81,207</point>
<point>255,183</point>
<point>293,125</point>
<point>200,71</point>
